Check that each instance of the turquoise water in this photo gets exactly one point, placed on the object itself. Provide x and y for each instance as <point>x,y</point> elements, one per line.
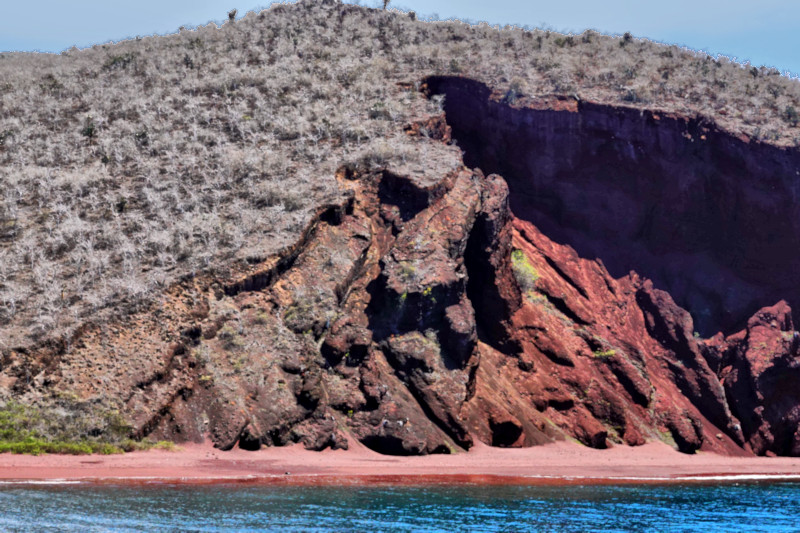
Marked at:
<point>742,507</point>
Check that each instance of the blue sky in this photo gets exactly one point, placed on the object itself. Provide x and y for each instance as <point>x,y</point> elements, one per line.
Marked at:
<point>763,32</point>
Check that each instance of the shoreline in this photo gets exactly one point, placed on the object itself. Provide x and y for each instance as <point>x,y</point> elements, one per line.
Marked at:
<point>322,480</point>
<point>552,464</point>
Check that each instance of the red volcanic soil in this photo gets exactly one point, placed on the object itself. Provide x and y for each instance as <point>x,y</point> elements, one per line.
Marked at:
<point>548,464</point>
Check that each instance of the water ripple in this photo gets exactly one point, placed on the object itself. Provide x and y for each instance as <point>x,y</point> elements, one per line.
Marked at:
<point>768,507</point>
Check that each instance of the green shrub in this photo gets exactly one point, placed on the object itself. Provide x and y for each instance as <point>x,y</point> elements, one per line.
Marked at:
<point>561,42</point>
<point>791,116</point>
<point>524,272</point>
<point>67,429</point>
<point>119,61</point>
<point>165,445</point>
<point>37,446</point>
<point>230,338</point>
<point>513,93</point>
<point>89,128</point>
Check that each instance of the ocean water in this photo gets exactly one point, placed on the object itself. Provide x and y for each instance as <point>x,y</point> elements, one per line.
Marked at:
<point>440,508</point>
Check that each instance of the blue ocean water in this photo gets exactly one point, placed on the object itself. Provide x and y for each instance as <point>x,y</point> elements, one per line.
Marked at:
<point>438,508</point>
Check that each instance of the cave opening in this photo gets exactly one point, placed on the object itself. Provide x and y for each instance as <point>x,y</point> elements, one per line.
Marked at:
<point>504,434</point>
<point>386,445</point>
<point>711,218</point>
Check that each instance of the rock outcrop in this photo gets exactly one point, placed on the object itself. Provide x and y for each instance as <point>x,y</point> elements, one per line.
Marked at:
<point>565,294</point>
<point>712,218</point>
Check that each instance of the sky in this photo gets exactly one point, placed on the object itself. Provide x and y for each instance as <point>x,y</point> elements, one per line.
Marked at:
<point>763,32</point>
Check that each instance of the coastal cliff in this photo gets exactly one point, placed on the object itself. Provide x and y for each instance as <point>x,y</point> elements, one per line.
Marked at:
<point>541,268</point>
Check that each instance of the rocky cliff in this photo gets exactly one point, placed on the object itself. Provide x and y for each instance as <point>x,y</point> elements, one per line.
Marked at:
<point>592,272</point>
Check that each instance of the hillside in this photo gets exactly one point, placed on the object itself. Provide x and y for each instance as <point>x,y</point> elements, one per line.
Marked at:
<point>324,222</point>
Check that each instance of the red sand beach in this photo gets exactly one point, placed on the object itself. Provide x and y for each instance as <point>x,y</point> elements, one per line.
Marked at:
<point>551,464</point>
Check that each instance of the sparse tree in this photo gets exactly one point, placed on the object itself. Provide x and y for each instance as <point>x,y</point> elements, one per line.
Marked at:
<point>386,4</point>
<point>232,14</point>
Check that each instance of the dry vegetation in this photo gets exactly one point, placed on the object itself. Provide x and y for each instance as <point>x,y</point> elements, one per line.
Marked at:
<point>125,167</point>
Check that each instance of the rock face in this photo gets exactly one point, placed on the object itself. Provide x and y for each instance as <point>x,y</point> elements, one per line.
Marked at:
<point>605,360</point>
<point>711,218</point>
<point>760,372</point>
<point>549,303</point>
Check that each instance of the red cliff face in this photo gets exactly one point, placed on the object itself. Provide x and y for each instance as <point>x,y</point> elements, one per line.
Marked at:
<point>563,291</point>
<point>603,195</point>
<point>711,218</point>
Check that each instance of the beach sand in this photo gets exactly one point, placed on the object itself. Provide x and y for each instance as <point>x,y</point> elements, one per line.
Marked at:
<point>557,463</point>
